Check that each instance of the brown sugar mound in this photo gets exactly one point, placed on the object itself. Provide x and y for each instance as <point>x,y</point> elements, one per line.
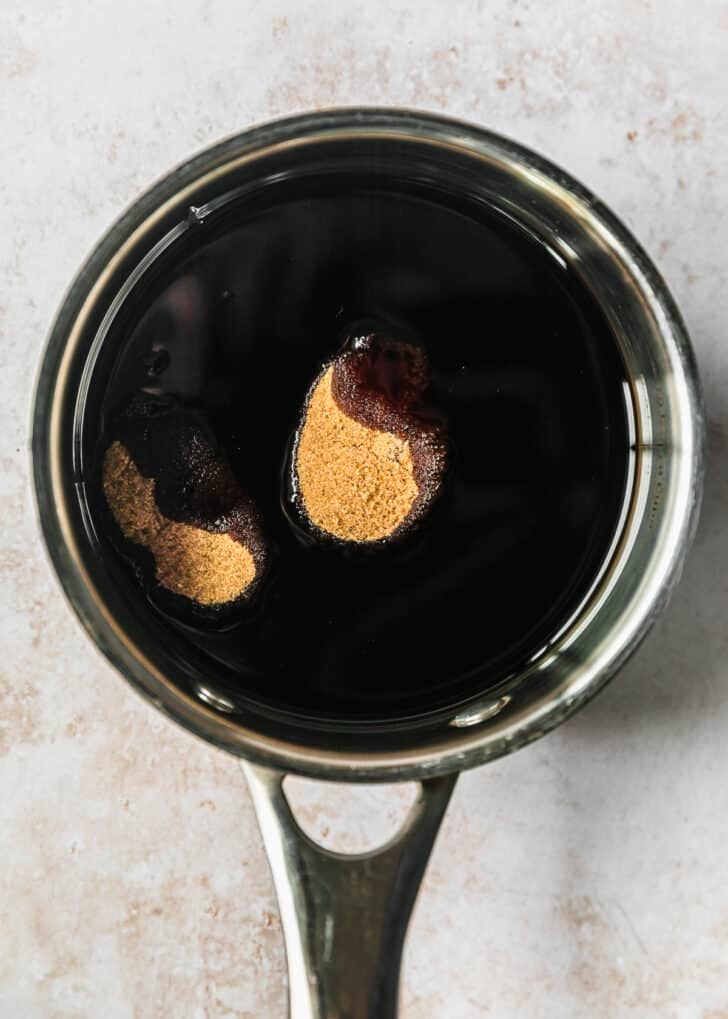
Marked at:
<point>356,483</point>
<point>370,454</point>
<point>207,567</point>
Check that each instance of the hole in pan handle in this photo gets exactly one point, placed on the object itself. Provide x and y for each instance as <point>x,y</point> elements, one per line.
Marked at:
<point>345,917</point>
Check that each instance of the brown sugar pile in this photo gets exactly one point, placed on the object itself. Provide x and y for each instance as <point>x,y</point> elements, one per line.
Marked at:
<point>366,465</point>
<point>207,567</point>
<point>356,483</point>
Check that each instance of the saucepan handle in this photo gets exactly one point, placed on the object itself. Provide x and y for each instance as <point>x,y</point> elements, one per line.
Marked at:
<point>345,916</point>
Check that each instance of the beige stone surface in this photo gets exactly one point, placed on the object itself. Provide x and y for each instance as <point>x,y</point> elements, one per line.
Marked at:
<point>585,876</point>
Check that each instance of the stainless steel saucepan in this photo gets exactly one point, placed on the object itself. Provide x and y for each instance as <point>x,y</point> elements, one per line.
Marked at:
<point>344,917</point>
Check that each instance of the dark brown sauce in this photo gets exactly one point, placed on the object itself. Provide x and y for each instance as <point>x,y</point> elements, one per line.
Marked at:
<point>524,370</point>
<point>383,382</point>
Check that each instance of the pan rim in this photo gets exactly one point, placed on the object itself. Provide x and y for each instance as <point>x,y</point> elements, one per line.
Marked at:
<point>456,748</point>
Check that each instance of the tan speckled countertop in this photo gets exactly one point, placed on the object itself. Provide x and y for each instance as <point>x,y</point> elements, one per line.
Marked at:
<point>583,877</point>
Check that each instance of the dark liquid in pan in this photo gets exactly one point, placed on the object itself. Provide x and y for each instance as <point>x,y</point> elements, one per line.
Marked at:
<point>527,374</point>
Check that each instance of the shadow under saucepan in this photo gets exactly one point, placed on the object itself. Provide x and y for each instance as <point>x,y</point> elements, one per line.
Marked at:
<point>639,800</point>
<point>594,858</point>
